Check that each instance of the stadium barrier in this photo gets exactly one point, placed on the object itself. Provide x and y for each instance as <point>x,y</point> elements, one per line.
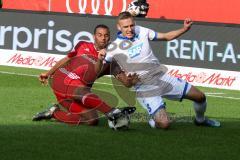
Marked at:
<point>221,11</point>
<point>208,55</point>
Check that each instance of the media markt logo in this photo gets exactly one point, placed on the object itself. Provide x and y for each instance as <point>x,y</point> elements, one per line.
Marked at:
<point>28,60</point>
<point>215,78</point>
<point>201,77</point>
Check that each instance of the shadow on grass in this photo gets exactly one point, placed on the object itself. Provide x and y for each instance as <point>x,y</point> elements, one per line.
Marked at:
<point>48,140</point>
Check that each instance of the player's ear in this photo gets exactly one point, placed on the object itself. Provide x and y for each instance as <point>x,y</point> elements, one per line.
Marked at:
<point>118,27</point>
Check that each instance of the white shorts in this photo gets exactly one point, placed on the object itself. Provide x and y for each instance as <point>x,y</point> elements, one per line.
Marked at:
<point>150,94</point>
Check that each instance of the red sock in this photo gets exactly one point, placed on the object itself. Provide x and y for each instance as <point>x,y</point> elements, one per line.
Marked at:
<point>93,101</point>
<point>67,117</point>
<point>76,114</point>
<point>71,116</point>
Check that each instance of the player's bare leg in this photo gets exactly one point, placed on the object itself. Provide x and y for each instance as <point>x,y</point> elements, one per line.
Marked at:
<point>200,105</point>
<point>195,95</point>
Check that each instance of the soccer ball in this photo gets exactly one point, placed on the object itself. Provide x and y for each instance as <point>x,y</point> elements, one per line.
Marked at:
<point>133,9</point>
<point>138,8</point>
<point>122,122</point>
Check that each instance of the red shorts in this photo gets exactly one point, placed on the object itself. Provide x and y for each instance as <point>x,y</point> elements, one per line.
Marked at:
<point>64,85</point>
<point>69,85</point>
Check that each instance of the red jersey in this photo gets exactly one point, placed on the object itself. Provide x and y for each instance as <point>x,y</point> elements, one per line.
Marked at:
<point>83,48</point>
<point>80,69</point>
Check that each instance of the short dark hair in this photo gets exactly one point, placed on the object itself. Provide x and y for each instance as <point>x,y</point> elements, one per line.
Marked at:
<point>101,26</point>
<point>124,15</point>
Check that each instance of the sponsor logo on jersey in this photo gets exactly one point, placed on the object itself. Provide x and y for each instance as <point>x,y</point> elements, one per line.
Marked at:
<point>135,50</point>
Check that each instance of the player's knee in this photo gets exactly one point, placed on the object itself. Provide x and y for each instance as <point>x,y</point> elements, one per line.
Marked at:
<point>93,122</point>
<point>196,95</point>
<point>201,98</point>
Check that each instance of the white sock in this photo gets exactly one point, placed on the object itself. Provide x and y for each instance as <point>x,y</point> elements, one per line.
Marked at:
<point>200,109</point>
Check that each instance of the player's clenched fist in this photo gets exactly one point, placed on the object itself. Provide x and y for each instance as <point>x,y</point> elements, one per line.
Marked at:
<point>43,78</point>
<point>102,54</point>
<point>187,23</point>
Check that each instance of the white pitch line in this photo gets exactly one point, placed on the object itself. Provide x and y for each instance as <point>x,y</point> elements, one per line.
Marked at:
<point>32,75</point>
<point>19,74</point>
<point>212,93</point>
<point>224,97</point>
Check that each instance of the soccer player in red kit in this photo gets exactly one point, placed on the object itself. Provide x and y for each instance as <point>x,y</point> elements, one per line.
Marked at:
<point>72,78</point>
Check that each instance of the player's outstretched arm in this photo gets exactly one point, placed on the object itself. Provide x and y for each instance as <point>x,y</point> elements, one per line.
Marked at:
<point>43,77</point>
<point>176,33</point>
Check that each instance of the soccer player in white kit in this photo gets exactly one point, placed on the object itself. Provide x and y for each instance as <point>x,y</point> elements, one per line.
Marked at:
<point>132,51</point>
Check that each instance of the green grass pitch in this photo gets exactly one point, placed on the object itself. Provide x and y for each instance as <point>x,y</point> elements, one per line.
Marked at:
<point>22,96</point>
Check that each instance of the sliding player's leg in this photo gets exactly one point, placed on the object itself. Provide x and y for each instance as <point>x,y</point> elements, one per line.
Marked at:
<point>76,113</point>
<point>200,106</point>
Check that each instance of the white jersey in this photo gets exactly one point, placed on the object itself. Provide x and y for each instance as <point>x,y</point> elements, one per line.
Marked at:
<point>134,55</point>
